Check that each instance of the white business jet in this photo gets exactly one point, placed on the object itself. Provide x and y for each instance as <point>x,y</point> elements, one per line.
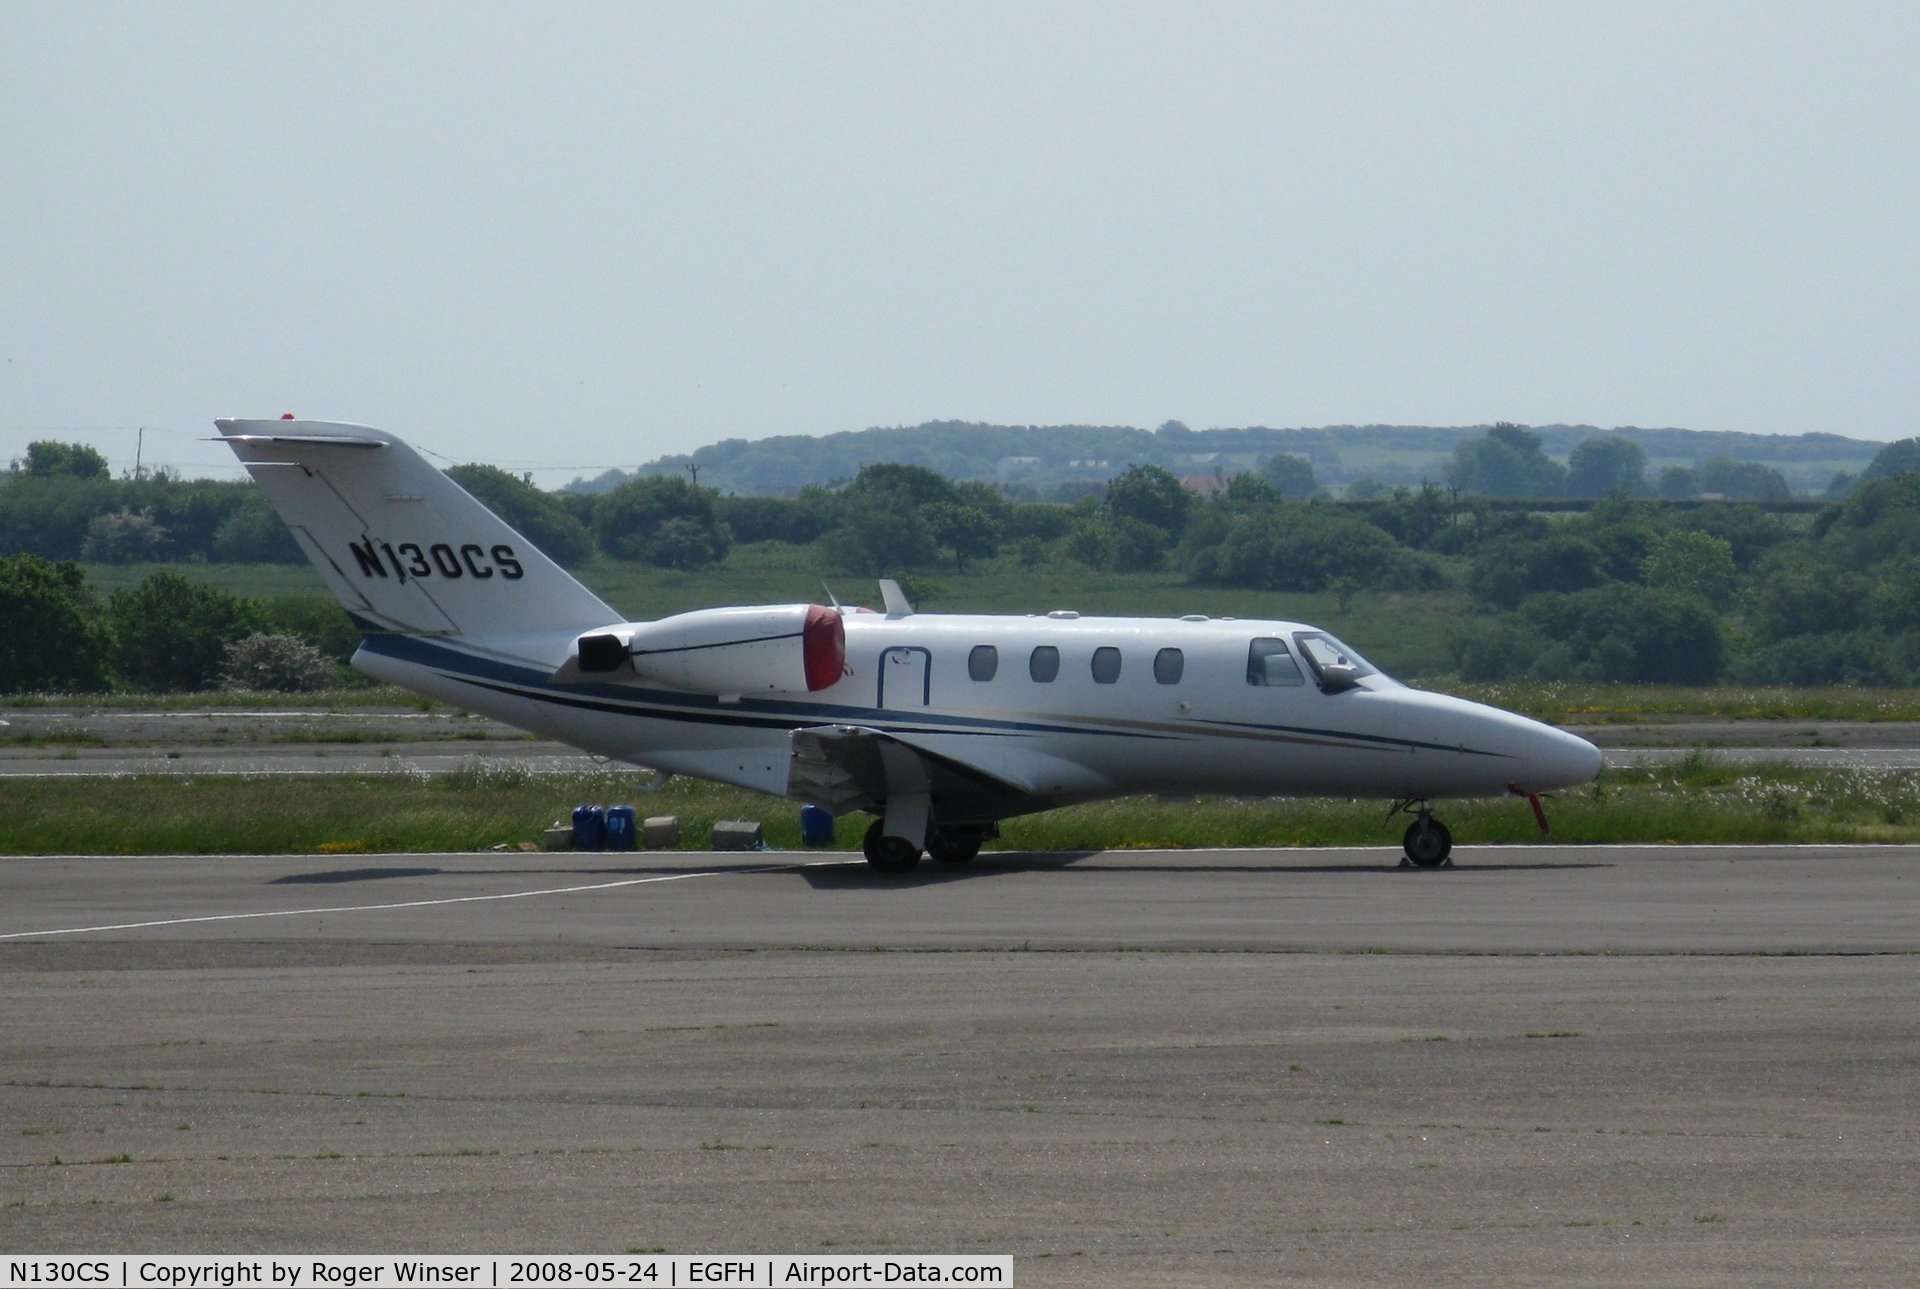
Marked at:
<point>939,725</point>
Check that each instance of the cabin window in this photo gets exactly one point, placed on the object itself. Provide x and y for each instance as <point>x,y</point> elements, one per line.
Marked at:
<point>1106,665</point>
<point>1269,663</point>
<point>1044,665</point>
<point>1167,666</point>
<point>983,662</point>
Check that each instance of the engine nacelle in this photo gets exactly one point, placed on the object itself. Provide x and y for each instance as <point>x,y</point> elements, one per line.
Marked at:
<point>785,648</point>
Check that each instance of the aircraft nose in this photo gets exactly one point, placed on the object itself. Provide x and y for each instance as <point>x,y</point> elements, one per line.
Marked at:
<point>1557,759</point>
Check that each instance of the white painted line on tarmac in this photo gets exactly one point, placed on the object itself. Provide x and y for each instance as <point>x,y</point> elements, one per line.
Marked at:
<point>421,904</point>
<point>1756,850</point>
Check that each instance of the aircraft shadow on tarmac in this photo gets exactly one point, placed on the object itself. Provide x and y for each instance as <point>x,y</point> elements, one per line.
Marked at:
<point>825,873</point>
<point>1008,863</point>
<point>352,875</point>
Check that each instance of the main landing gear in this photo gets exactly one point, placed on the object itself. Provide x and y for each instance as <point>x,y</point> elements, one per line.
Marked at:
<point>898,855</point>
<point>1427,841</point>
<point>954,845</point>
<point>889,854</point>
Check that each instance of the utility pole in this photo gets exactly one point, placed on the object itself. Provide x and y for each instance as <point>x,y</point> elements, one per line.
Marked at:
<point>139,445</point>
<point>693,468</point>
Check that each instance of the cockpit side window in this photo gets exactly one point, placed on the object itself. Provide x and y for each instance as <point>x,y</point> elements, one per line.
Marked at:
<point>1269,663</point>
<point>1322,651</point>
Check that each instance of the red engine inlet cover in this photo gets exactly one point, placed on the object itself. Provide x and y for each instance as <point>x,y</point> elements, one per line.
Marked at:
<point>824,647</point>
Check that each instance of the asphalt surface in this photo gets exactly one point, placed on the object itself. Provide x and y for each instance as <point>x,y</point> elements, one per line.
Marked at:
<point>1544,1065</point>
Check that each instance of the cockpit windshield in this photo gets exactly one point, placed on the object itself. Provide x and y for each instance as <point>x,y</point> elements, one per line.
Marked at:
<point>1323,652</point>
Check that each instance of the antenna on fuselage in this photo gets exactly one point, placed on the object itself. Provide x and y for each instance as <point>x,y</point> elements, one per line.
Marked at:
<point>895,599</point>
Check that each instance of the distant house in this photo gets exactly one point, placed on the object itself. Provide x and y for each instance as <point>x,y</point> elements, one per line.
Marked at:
<point>1205,486</point>
<point>1008,467</point>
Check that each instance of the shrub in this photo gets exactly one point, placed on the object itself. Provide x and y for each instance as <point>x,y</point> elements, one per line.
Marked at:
<point>277,663</point>
<point>663,521</point>
<point>123,537</point>
<point>1302,547</point>
<point>171,635</point>
<point>52,634</point>
<point>1622,632</point>
<point>1507,571</point>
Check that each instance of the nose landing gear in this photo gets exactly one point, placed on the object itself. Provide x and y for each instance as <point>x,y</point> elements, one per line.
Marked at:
<point>1427,841</point>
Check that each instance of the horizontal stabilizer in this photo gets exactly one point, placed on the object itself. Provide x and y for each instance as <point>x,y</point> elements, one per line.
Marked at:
<point>309,440</point>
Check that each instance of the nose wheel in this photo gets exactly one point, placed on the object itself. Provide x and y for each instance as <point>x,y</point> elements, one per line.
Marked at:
<point>1427,842</point>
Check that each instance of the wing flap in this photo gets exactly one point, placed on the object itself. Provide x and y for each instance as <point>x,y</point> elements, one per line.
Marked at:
<point>852,767</point>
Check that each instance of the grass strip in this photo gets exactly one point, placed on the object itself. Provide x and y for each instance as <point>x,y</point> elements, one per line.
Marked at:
<point>346,698</point>
<point>1698,799</point>
<point>1576,704</point>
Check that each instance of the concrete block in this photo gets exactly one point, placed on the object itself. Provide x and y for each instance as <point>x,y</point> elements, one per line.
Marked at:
<point>558,837</point>
<point>738,834</point>
<point>660,832</point>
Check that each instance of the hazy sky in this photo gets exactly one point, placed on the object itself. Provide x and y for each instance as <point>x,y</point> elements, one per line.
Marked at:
<point>571,236</point>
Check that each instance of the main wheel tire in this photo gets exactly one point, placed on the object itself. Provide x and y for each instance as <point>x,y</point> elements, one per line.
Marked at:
<point>1428,843</point>
<point>888,854</point>
<point>953,847</point>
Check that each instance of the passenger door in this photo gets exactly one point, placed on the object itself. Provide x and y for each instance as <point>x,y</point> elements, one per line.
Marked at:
<point>906,678</point>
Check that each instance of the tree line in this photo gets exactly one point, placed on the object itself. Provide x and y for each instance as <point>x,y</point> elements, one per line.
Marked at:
<point>1047,462</point>
<point>1632,588</point>
<point>60,503</point>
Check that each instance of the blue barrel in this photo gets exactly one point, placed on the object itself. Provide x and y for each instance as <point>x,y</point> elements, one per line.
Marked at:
<point>619,827</point>
<point>816,826</point>
<point>589,828</point>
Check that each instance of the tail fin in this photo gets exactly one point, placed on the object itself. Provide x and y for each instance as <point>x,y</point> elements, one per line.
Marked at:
<point>404,548</point>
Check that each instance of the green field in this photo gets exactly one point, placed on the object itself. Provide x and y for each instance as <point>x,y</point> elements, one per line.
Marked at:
<point>1405,634</point>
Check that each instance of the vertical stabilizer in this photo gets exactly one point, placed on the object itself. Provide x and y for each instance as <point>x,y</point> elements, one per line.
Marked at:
<point>403,547</point>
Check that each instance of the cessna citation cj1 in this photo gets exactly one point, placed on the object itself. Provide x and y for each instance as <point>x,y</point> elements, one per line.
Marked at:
<point>939,725</point>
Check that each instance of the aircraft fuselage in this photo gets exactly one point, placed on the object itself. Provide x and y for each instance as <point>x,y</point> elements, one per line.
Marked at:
<point>1121,705</point>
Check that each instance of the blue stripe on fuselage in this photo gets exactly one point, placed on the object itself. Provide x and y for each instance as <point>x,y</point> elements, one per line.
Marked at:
<point>532,683</point>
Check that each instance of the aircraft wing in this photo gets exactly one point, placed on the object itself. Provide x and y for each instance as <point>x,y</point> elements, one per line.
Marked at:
<point>851,767</point>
